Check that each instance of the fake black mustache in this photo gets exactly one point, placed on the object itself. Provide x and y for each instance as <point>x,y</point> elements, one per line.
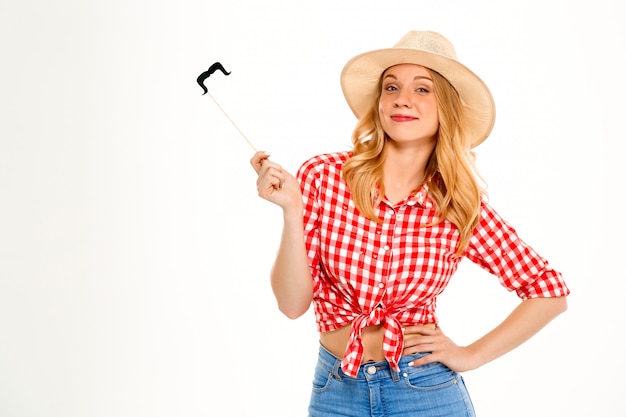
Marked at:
<point>216,66</point>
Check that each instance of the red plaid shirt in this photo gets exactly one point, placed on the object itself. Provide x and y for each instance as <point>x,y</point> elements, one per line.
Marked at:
<point>391,273</point>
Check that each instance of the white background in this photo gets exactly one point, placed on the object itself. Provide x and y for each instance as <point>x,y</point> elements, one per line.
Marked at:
<point>135,253</point>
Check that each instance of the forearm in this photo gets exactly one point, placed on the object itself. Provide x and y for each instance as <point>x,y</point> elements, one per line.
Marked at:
<point>525,321</point>
<point>291,277</point>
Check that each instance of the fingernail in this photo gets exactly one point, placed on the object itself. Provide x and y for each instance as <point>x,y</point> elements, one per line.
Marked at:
<point>411,363</point>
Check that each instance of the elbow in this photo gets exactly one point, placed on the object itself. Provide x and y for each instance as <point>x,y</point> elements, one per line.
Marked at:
<point>293,300</point>
<point>555,306</point>
<point>294,306</point>
<point>293,311</point>
<point>549,307</point>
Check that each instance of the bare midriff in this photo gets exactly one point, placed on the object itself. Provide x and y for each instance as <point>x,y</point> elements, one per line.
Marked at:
<point>372,337</point>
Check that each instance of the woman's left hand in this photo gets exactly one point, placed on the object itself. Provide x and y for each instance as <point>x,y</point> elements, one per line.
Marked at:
<point>430,338</point>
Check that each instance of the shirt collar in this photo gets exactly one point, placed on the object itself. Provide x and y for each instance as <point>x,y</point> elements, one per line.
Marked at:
<point>420,197</point>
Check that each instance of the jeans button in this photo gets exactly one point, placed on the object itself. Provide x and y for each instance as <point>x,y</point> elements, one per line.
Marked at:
<point>371,370</point>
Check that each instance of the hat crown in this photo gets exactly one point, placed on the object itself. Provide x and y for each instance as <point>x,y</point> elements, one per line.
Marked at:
<point>427,41</point>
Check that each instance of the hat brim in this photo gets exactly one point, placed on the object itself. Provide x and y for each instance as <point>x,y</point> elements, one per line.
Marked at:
<point>360,77</point>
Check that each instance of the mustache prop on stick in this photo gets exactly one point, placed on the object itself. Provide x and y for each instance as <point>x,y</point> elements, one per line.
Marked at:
<point>206,74</point>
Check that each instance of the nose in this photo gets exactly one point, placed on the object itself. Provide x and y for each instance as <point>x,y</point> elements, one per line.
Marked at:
<point>402,98</point>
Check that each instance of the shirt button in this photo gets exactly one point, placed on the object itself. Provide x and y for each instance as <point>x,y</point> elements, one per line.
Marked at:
<point>386,247</point>
<point>381,285</point>
<point>371,370</point>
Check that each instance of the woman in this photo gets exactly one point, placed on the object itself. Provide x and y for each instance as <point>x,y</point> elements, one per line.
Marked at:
<point>372,236</point>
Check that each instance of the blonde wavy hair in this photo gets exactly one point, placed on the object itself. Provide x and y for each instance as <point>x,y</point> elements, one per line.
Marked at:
<point>453,186</point>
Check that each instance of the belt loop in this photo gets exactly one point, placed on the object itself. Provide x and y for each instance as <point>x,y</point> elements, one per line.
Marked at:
<point>336,368</point>
<point>395,375</point>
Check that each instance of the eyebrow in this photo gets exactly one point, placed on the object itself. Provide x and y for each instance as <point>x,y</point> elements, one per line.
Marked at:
<point>417,77</point>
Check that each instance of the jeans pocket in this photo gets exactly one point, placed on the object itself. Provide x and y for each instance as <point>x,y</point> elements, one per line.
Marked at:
<point>430,377</point>
<point>321,379</point>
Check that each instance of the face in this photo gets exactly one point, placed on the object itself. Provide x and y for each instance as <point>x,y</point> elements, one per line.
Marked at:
<point>408,106</point>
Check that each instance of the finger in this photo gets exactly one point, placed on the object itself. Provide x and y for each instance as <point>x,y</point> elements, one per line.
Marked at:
<point>257,160</point>
<point>412,339</point>
<point>277,181</point>
<point>268,167</point>
<point>425,344</point>
<point>270,172</point>
<point>269,182</point>
<point>420,343</point>
<point>423,360</point>
<point>425,329</point>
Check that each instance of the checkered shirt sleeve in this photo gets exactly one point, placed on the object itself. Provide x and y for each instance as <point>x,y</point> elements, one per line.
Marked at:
<point>497,248</point>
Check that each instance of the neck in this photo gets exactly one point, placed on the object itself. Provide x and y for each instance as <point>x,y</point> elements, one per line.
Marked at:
<point>405,166</point>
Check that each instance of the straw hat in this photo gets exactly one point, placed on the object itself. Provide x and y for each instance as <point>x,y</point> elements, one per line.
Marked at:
<point>360,77</point>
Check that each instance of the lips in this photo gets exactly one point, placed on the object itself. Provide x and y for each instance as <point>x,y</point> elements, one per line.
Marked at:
<point>401,118</point>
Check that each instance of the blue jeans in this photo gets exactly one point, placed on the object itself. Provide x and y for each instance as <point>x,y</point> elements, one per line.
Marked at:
<point>431,390</point>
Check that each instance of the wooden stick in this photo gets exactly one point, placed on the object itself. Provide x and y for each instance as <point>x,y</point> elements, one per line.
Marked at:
<point>231,120</point>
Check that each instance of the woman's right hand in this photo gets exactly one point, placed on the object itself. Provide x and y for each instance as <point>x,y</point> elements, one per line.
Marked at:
<point>274,183</point>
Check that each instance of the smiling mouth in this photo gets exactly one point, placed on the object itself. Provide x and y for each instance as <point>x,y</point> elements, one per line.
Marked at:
<point>402,118</point>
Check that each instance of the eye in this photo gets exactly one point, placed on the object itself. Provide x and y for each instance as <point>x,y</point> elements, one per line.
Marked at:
<point>390,88</point>
<point>423,90</point>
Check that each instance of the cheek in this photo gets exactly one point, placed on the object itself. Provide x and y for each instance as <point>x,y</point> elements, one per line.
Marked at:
<point>385,103</point>
<point>430,110</point>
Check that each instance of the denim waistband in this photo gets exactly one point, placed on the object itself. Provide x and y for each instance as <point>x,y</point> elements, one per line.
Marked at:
<point>367,371</point>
